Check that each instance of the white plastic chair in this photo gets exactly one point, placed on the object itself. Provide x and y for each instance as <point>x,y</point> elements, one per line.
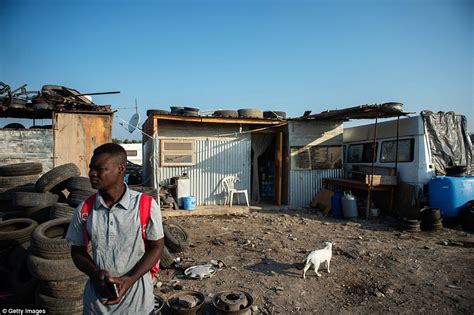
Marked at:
<point>229,189</point>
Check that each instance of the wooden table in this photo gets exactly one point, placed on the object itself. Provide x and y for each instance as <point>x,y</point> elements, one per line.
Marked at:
<point>359,185</point>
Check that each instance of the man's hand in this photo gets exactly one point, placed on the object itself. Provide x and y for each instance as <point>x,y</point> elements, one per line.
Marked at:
<point>123,283</point>
<point>99,279</point>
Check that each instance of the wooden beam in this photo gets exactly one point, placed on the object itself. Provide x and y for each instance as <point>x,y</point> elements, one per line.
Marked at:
<point>219,120</point>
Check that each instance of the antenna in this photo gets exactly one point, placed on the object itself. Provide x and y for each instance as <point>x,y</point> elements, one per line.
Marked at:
<point>134,120</point>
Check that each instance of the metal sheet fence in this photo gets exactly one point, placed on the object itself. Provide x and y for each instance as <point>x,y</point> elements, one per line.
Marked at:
<point>305,184</point>
<point>215,159</point>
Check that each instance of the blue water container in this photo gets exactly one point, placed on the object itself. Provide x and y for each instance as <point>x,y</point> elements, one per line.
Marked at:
<point>189,203</point>
<point>450,194</point>
<point>336,204</point>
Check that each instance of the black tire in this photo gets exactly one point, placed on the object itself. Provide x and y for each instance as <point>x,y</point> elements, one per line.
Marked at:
<point>57,177</point>
<point>80,183</point>
<point>47,240</point>
<point>61,210</point>
<point>157,111</point>
<point>76,197</point>
<point>274,114</point>
<point>9,193</point>
<point>250,113</point>
<point>34,200</point>
<point>20,169</point>
<point>176,237</point>
<point>14,126</point>
<point>64,289</point>
<point>167,259</point>
<point>59,306</point>
<point>16,231</point>
<point>226,113</point>
<point>14,181</point>
<point>52,270</point>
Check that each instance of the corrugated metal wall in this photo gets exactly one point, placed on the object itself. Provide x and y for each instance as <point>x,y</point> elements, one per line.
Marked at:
<point>215,159</point>
<point>305,184</point>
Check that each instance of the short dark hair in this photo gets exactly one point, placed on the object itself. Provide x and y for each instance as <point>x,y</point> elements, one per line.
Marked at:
<point>113,149</point>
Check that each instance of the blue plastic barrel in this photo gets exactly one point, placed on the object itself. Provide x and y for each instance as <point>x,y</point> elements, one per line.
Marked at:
<point>336,204</point>
<point>189,203</point>
<point>450,194</point>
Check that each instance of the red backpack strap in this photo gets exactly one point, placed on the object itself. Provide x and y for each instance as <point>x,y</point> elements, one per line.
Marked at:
<point>145,212</point>
<point>85,210</point>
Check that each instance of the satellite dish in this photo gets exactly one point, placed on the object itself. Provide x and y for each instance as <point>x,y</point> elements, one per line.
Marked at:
<point>133,123</point>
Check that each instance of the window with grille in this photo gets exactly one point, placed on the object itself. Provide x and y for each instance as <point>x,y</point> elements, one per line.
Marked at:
<point>177,152</point>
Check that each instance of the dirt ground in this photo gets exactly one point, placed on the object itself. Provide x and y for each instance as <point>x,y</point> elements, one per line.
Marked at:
<point>375,267</point>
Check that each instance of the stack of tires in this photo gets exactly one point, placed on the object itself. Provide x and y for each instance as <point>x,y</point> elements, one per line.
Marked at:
<point>61,284</point>
<point>176,241</point>
<point>430,219</point>
<point>79,190</point>
<point>17,286</point>
<point>16,177</point>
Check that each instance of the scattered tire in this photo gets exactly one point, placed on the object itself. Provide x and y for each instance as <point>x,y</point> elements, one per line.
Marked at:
<point>47,240</point>
<point>76,197</point>
<point>176,237</point>
<point>20,169</point>
<point>59,306</point>
<point>61,210</point>
<point>226,113</point>
<point>64,289</point>
<point>16,231</point>
<point>430,215</point>
<point>56,177</point>
<point>52,270</point>
<point>34,200</point>
<point>157,111</point>
<point>80,183</point>
<point>410,225</point>
<point>14,181</point>
<point>167,259</point>
<point>274,114</point>
<point>250,113</point>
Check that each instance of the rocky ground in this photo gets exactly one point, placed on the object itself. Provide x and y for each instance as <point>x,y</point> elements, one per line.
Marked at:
<point>375,267</point>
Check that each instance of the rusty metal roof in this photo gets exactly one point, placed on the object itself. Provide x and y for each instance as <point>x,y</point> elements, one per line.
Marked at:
<point>385,110</point>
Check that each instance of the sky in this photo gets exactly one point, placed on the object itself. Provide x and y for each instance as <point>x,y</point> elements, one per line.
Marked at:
<point>274,55</point>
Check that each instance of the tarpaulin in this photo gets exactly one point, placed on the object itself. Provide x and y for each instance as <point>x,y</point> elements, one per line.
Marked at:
<point>450,144</point>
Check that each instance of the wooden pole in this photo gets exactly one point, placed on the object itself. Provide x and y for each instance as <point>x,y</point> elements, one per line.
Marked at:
<point>374,156</point>
<point>278,167</point>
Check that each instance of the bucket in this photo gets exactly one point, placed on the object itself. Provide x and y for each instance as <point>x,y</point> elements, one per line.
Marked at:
<point>374,212</point>
<point>189,203</point>
<point>349,206</point>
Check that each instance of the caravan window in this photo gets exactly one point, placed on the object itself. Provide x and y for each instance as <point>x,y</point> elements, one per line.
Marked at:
<point>360,153</point>
<point>177,152</point>
<point>405,151</point>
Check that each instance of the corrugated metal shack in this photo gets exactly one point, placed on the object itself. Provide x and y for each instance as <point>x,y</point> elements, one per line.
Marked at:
<point>292,156</point>
<point>76,129</point>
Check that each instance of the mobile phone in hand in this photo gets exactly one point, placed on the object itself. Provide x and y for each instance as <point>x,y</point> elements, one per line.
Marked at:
<point>113,288</point>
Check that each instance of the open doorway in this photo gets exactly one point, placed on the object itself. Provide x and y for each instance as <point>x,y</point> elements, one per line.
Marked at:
<point>266,174</point>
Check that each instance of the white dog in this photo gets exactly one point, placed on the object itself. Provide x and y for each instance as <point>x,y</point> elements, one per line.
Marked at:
<point>317,257</point>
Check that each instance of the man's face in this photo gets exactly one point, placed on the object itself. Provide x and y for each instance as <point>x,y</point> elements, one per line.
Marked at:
<point>105,171</point>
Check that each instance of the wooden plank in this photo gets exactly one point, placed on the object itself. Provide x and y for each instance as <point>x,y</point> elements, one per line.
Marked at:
<point>278,166</point>
<point>76,137</point>
<point>218,120</point>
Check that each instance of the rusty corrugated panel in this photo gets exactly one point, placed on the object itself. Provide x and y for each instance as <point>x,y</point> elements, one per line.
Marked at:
<point>305,184</point>
<point>215,159</point>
